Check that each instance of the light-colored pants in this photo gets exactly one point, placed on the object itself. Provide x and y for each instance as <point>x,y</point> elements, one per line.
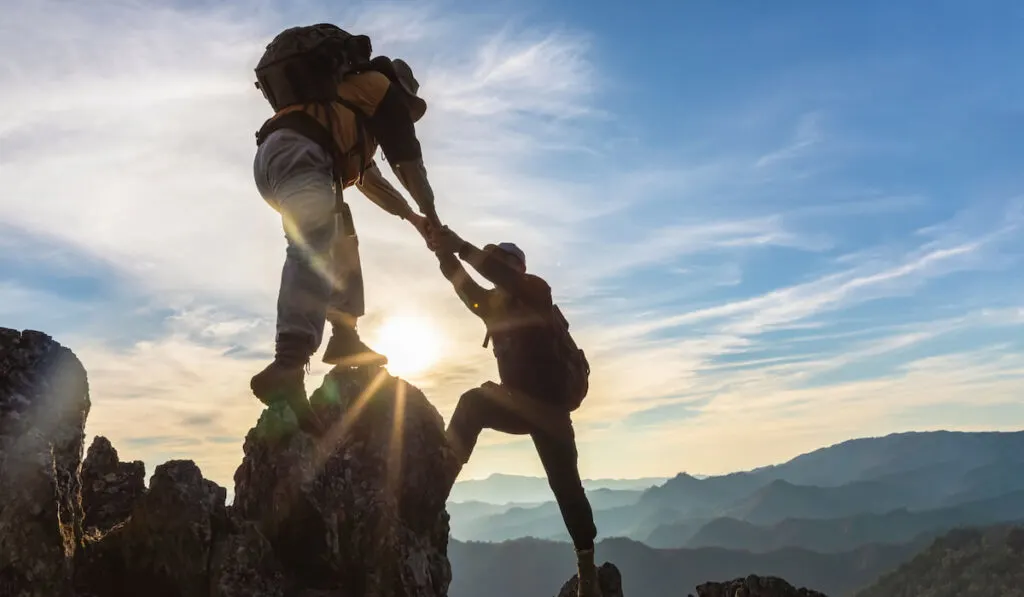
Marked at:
<point>322,277</point>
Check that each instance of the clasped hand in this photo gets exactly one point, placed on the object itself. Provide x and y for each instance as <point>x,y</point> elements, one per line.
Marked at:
<point>439,238</point>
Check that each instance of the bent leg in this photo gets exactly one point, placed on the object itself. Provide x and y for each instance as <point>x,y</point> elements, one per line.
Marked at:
<point>488,407</point>
<point>560,459</point>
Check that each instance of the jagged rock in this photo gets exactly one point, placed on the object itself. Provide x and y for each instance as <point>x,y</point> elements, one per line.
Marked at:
<point>167,542</point>
<point>110,487</point>
<point>44,400</point>
<point>754,586</point>
<point>608,578</point>
<point>243,565</point>
<point>164,549</point>
<point>361,509</point>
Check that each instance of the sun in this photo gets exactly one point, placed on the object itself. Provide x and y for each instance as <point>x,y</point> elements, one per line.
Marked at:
<point>411,343</point>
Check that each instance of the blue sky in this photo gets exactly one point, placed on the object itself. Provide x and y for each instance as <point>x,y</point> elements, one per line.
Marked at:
<point>773,227</point>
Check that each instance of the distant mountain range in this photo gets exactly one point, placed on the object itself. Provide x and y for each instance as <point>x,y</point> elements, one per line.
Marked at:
<point>835,520</point>
<point>533,567</point>
<point>518,489</point>
<point>889,489</point>
<point>839,534</point>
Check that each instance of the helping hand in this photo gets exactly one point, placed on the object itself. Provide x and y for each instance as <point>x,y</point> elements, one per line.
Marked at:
<point>425,228</point>
<point>446,241</point>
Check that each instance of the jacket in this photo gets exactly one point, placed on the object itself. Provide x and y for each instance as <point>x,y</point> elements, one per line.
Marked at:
<point>515,313</point>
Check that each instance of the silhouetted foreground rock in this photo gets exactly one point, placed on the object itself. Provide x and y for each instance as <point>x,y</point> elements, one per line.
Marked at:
<point>608,577</point>
<point>44,400</point>
<point>110,488</point>
<point>362,508</point>
<point>754,586</point>
<point>355,512</point>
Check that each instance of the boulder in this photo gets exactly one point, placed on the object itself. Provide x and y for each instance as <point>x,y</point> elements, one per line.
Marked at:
<point>361,509</point>
<point>754,586</point>
<point>110,488</point>
<point>608,578</point>
<point>44,401</point>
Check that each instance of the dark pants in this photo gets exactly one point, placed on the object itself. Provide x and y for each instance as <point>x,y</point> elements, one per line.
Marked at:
<point>492,406</point>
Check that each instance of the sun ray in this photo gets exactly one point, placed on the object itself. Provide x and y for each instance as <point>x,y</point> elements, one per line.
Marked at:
<point>411,343</point>
<point>397,436</point>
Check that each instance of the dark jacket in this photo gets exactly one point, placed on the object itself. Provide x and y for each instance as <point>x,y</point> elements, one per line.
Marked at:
<point>516,314</point>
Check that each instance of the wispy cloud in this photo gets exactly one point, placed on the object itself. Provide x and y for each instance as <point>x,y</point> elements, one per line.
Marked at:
<point>735,289</point>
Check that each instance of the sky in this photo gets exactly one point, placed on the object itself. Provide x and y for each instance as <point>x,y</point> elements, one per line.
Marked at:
<point>773,227</point>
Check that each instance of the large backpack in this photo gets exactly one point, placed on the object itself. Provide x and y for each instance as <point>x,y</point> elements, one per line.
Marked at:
<point>574,362</point>
<point>572,359</point>
<point>303,65</point>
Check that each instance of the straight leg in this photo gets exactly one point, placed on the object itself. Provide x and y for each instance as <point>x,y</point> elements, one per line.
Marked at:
<point>294,175</point>
<point>560,459</point>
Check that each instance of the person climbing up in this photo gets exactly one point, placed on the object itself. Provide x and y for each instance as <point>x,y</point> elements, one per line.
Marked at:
<point>333,105</point>
<point>544,377</point>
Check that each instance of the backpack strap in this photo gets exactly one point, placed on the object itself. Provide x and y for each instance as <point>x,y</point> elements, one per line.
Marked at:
<point>303,123</point>
<point>360,135</point>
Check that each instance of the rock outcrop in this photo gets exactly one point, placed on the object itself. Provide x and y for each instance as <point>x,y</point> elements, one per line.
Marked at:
<point>110,488</point>
<point>165,546</point>
<point>608,578</point>
<point>44,401</point>
<point>754,586</point>
<point>358,511</point>
<point>362,508</point>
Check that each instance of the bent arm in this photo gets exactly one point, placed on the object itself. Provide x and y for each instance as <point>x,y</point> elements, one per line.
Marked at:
<point>380,191</point>
<point>395,131</point>
<point>474,296</point>
<point>528,289</point>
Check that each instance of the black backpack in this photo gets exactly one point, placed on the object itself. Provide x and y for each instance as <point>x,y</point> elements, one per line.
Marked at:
<point>303,65</point>
<point>575,367</point>
<point>574,361</point>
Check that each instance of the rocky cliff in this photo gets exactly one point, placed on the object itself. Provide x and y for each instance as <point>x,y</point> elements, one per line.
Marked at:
<point>44,401</point>
<point>358,511</point>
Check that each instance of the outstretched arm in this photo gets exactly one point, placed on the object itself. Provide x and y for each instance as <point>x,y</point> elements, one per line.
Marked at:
<point>528,289</point>
<point>380,191</point>
<point>395,131</point>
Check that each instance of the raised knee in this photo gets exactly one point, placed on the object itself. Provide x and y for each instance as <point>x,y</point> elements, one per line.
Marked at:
<point>471,398</point>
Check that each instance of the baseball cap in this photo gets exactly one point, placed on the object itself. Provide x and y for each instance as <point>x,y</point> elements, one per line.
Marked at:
<point>513,250</point>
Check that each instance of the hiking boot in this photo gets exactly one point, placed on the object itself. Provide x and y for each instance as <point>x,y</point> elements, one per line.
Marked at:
<point>279,382</point>
<point>587,585</point>
<point>345,349</point>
